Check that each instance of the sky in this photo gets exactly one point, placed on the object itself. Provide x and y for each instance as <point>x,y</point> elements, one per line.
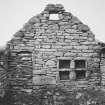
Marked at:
<point>15,13</point>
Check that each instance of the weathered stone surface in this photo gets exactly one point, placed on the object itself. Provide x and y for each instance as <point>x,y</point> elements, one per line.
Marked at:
<point>83,28</point>
<point>51,8</point>
<point>58,54</point>
<point>50,63</point>
<point>3,76</point>
<point>44,80</point>
<point>40,72</point>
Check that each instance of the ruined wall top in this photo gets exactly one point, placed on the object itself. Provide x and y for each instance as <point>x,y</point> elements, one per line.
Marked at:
<point>42,23</point>
<point>54,8</point>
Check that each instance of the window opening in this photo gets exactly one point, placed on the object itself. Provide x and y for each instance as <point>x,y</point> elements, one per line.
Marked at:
<point>53,17</point>
<point>64,75</point>
<point>80,74</point>
<point>64,64</point>
<point>80,64</point>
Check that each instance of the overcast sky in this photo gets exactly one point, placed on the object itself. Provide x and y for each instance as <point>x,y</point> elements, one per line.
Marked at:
<point>14,13</point>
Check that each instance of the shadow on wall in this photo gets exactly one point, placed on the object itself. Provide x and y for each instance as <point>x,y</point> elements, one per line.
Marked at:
<point>7,99</point>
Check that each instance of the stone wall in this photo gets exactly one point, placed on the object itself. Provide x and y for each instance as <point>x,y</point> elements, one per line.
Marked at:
<point>3,77</point>
<point>102,66</point>
<point>37,48</point>
<point>54,53</point>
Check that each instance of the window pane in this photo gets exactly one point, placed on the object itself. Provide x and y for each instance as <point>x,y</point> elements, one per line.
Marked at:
<point>64,64</point>
<point>80,74</point>
<point>80,64</point>
<point>64,75</point>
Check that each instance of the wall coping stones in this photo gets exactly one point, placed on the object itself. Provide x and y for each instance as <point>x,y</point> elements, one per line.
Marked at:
<point>54,8</point>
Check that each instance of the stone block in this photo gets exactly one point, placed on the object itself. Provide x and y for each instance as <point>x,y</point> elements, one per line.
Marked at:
<point>56,46</point>
<point>58,53</point>
<point>83,28</point>
<point>40,72</point>
<point>68,47</point>
<point>42,80</point>
<point>75,20</point>
<point>51,63</point>
<point>39,61</point>
<point>46,46</point>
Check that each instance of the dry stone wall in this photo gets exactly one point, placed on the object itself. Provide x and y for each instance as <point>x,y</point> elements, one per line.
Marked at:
<point>3,74</point>
<point>102,66</point>
<point>36,50</point>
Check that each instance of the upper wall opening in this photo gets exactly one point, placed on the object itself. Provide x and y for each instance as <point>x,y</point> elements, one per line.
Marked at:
<point>57,13</point>
<point>53,17</point>
<point>54,11</point>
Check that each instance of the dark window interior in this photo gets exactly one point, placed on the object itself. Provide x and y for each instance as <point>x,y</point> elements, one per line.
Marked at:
<point>64,64</point>
<point>80,74</point>
<point>80,64</point>
<point>64,75</point>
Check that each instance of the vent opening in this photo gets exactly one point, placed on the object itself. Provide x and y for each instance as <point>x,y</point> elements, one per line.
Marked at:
<point>53,17</point>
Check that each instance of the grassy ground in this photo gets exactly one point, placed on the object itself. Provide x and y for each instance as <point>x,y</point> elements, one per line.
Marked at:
<point>55,96</point>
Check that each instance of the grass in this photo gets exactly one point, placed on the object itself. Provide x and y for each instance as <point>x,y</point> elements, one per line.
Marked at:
<point>56,96</point>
